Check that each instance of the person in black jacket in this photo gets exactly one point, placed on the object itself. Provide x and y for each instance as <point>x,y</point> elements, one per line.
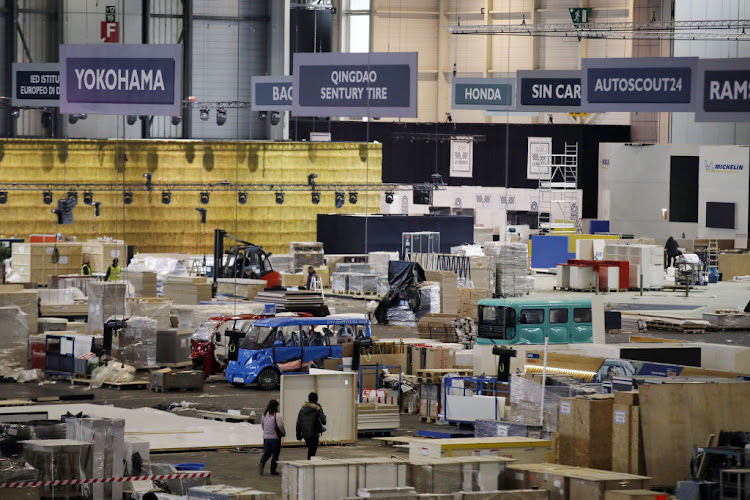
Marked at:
<point>672,250</point>
<point>311,423</point>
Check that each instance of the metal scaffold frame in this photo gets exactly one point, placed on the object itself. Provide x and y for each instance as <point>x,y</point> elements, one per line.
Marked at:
<point>558,194</point>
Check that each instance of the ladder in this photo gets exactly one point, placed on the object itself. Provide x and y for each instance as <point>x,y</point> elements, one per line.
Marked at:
<point>558,194</point>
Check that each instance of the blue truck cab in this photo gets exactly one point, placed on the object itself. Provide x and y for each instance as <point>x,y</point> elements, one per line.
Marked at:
<point>531,320</point>
<point>274,346</point>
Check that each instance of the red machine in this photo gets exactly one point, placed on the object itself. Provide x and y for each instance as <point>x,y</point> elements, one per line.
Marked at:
<point>243,260</point>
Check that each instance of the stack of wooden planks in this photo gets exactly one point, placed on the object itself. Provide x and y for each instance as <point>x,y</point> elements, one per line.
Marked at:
<point>187,290</point>
<point>438,327</point>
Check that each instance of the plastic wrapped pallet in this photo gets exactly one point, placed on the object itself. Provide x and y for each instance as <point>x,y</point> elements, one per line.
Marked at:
<point>468,250</point>
<point>27,301</point>
<point>526,400</point>
<point>430,297</point>
<point>362,284</point>
<point>14,337</point>
<point>383,286</point>
<point>340,282</point>
<point>381,258</point>
<point>401,315</point>
<point>106,299</point>
<point>58,459</point>
<point>163,265</point>
<point>282,263</point>
<point>157,309</point>
<point>107,439</point>
<point>59,296</point>
<point>224,492</point>
<point>192,316</point>
<point>136,343</point>
<point>511,267</point>
<point>16,469</point>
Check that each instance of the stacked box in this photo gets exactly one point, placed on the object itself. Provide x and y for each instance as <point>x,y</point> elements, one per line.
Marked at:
<point>173,347</point>
<point>188,290</point>
<point>362,283</point>
<point>107,439</point>
<point>511,267</point>
<point>33,261</point>
<point>306,253</point>
<point>468,301</point>
<point>438,327</point>
<point>14,337</point>
<point>447,475</point>
<point>106,299</point>
<point>448,289</point>
<point>135,345</point>
<point>339,282</point>
<point>238,287</point>
<point>102,252</point>
<point>151,307</point>
<point>144,282</point>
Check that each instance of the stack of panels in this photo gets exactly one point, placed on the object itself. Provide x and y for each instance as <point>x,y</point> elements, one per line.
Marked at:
<point>187,290</point>
<point>144,282</point>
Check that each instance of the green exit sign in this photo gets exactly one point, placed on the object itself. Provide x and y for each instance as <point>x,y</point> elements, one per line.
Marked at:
<point>580,15</point>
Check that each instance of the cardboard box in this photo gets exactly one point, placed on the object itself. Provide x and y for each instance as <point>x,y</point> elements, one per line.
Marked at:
<point>585,428</point>
<point>596,485</point>
<point>629,398</point>
<point>634,495</point>
<point>294,280</point>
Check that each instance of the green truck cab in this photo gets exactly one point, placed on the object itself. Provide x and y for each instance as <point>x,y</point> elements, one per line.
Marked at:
<point>531,320</point>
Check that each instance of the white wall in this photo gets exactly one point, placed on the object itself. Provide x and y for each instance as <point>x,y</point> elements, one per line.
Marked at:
<point>684,127</point>
<point>490,213</point>
<point>634,188</point>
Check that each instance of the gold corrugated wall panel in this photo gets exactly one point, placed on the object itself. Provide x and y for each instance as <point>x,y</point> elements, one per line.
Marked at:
<point>153,227</point>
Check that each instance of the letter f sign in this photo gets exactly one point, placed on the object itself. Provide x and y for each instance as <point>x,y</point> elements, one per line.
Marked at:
<point>110,32</point>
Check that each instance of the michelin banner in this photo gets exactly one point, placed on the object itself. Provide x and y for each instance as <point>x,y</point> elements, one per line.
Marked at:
<point>372,84</point>
<point>113,79</point>
<point>639,84</point>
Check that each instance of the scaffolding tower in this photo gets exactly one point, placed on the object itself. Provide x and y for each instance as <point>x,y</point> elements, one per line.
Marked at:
<point>558,193</point>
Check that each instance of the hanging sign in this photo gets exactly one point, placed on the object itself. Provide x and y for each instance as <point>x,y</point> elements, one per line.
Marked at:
<point>485,94</point>
<point>114,79</point>
<point>371,84</point>
<point>462,157</point>
<point>538,160</point>
<point>639,84</point>
<point>36,84</point>
<point>549,91</point>
<point>723,90</point>
<point>271,93</point>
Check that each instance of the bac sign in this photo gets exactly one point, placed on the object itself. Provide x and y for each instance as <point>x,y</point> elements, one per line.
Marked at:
<point>110,32</point>
<point>271,93</point>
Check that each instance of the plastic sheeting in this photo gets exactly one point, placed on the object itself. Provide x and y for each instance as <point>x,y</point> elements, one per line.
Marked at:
<point>162,266</point>
<point>114,372</point>
<point>106,299</point>
<point>511,267</point>
<point>190,317</point>
<point>339,282</point>
<point>430,297</point>
<point>158,310</point>
<point>363,283</point>
<point>468,250</point>
<point>14,337</point>
<point>136,343</point>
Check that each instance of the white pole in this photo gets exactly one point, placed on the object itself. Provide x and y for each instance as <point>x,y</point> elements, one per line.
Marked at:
<point>544,381</point>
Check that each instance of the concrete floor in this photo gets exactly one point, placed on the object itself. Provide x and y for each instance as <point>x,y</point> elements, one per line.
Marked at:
<point>239,467</point>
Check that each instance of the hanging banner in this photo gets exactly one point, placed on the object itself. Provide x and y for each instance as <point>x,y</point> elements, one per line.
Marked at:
<point>723,93</point>
<point>375,84</point>
<point>485,94</point>
<point>639,84</point>
<point>271,93</point>
<point>549,91</point>
<point>114,79</point>
<point>538,157</point>
<point>36,84</point>
<point>462,157</point>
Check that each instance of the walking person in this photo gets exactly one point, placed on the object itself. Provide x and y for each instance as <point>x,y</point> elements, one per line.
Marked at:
<point>311,423</point>
<point>672,250</point>
<point>273,430</point>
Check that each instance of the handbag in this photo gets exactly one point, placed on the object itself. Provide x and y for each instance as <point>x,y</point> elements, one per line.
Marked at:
<point>279,432</point>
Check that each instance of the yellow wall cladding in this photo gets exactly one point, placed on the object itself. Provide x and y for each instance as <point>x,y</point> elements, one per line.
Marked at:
<point>153,227</point>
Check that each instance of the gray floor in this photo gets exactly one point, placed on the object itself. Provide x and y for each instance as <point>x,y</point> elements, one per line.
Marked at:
<point>239,467</point>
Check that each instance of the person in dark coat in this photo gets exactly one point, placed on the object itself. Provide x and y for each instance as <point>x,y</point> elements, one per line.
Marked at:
<point>672,251</point>
<point>311,275</point>
<point>311,423</point>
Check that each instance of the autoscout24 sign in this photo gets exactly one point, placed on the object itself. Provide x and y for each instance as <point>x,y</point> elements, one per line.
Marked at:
<point>639,84</point>
<point>487,94</point>
<point>36,84</point>
<point>370,84</point>
<point>120,79</point>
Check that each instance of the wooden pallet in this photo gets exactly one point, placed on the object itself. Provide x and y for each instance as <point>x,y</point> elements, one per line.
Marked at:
<point>176,389</point>
<point>673,327</point>
<point>224,417</point>
<point>16,402</point>
<point>436,376</point>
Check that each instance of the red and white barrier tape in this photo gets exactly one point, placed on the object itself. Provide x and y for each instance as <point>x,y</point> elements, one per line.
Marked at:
<point>66,482</point>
